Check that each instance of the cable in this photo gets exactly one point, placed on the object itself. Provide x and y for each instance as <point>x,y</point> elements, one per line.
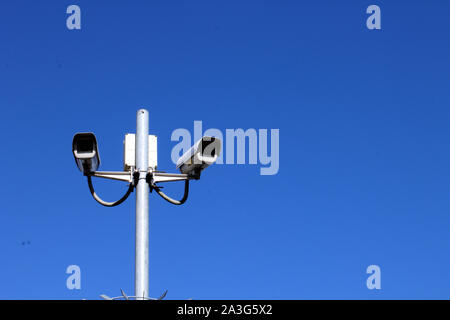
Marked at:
<point>104,203</point>
<point>169,199</point>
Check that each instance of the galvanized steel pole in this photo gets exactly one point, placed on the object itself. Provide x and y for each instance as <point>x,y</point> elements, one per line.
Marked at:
<point>142,215</point>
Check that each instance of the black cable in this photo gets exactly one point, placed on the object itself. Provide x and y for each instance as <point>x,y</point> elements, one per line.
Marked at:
<point>104,203</point>
<point>169,199</point>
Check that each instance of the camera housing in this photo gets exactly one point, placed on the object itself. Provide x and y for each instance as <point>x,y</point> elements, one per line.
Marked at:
<point>200,156</point>
<point>85,152</point>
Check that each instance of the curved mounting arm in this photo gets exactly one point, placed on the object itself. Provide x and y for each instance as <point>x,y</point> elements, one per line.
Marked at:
<point>169,199</point>
<point>104,203</point>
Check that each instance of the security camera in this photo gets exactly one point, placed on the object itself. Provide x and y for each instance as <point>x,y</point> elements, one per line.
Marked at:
<point>85,151</point>
<point>202,154</point>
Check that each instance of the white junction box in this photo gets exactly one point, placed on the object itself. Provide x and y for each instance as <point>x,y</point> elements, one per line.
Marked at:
<point>129,153</point>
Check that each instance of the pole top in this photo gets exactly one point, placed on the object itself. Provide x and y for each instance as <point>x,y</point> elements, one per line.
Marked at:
<point>142,111</point>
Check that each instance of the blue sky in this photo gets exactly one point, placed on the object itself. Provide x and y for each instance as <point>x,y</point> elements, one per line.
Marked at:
<point>364,147</point>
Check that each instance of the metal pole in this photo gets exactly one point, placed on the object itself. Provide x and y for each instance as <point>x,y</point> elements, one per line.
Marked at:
<point>142,191</point>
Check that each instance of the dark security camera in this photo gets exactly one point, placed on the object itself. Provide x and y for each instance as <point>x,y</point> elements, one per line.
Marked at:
<point>85,151</point>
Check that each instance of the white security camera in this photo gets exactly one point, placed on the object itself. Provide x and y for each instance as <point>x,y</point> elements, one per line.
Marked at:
<point>202,154</point>
<point>85,151</point>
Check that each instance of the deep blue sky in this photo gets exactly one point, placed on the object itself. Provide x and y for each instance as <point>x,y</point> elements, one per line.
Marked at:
<point>364,123</point>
